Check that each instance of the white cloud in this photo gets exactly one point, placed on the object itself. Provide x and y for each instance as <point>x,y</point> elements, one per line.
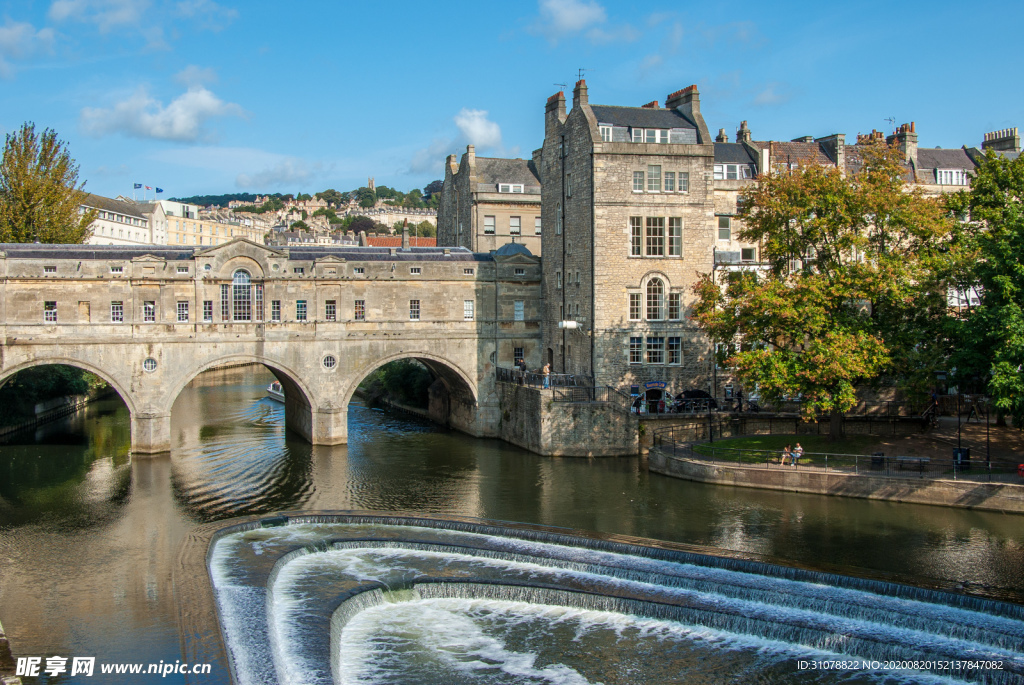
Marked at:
<point>623,34</point>
<point>570,16</point>
<point>192,76</point>
<point>477,129</point>
<point>207,13</point>
<point>474,129</point>
<point>106,14</point>
<point>773,94</point>
<point>19,40</point>
<point>142,116</point>
<point>286,172</point>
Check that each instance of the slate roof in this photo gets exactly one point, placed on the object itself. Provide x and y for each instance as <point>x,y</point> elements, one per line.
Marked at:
<point>396,241</point>
<point>798,153</point>
<point>732,153</point>
<point>50,251</point>
<point>931,158</point>
<point>494,170</point>
<point>109,205</point>
<point>641,117</point>
<point>297,253</point>
<point>509,249</point>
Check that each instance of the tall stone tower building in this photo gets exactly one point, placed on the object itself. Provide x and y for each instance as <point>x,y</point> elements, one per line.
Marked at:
<point>629,213</point>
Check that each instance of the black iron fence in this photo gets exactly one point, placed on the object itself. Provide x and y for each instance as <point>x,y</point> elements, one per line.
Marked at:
<point>592,394</point>
<point>536,380</point>
<point>960,466</point>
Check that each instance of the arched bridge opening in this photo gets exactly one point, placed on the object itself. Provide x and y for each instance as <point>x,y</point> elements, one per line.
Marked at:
<point>430,385</point>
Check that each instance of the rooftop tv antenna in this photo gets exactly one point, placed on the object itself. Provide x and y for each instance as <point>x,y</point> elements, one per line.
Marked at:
<point>891,120</point>
<point>562,85</point>
<point>579,73</point>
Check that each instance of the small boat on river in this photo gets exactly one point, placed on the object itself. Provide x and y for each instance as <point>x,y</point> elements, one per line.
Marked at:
<point>275,391</point>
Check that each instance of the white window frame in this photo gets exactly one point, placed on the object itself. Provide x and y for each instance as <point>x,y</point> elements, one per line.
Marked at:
<point>489,224</point>
<point>655,350</point>
<point>415,270</point>
<point>182,269</point>
<point>414,310</point>
<point>515,225</point>
<point>683,184</point>
<point>674,237</point>
<point>639,184</point>
<point>50,311</point>
<point>636,236</point>
<point>536,225</point>
<point>208,310</point>
<point>520,272</point>
<point>182,309</point>
<point>653,178</point>
<point>49,269</point>
<point>359,310</point>
<point>117,311</point>
<point>359,270</point>
<point>468,272</point>
<point>635,350</point>
<point>727,228</point>
<point>149,311</point>
<point>510,187</point>
<point>751,250</point>
<point>636,305</point>
<point>519,310</point>
<point>606,133</point>
<point>468,312</point>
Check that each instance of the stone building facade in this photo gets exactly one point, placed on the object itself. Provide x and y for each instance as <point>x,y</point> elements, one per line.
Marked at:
<point>630,196</point>
<point>148,320</point>
<point>487,202</point>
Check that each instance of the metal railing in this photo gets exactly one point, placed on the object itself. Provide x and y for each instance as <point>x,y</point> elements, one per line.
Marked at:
<point>604,394</point>
<point>536,380</point>
<point>877,464</point>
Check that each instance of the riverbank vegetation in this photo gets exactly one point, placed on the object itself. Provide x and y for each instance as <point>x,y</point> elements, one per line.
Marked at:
<point>405,381</point>
<point>20,394</point>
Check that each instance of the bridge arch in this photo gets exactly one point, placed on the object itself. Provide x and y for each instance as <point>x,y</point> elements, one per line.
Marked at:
<point>299,399</point>
<point>454,377</point>
<point>107,376</point>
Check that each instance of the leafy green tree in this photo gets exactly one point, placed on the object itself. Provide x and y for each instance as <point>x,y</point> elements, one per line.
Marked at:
<point>40,197</point>
<point>331,196</point>
<point>366,197</point>
<point>361,223</point>
<point>299,226</point>
<point>302,197</point>
<point>990,337</point>
<point>425,229</point>
<point>414,199</point>
<point>434,188</point>
<point>853,292</point>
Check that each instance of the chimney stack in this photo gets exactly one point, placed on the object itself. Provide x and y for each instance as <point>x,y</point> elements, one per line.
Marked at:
<point>835,146</point>
<point>579,94</point>
<point>743,135</point>
<point>1006,140</point>
<point>905,138</point>
<point>653,104</point>
<point>722,137</point>
<point>405,234</point>
<point>687,102</point>
<point>554,110</point>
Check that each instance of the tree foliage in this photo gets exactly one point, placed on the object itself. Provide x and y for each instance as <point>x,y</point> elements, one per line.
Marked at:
<point>990,337</point>
<point>854,286</point>
<point>366,197</point>
<point>332,197</point>
<point>40,197</point>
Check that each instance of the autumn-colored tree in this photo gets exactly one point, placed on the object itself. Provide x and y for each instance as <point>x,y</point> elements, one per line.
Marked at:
<point>990,336</point>
<point>40,197</point>
<point>852,291</point>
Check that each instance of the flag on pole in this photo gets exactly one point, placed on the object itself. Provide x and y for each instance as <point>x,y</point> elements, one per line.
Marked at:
<point>138,185</point>
<point>159,190</point>
<point>149,187</point>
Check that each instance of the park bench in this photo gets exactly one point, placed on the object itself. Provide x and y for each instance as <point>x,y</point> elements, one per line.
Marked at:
<point>919,462</point>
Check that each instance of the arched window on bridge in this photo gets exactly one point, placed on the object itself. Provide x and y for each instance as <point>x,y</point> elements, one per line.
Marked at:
<point>246,297</point>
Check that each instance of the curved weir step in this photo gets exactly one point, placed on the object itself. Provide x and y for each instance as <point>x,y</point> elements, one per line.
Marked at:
<point>340,598</point>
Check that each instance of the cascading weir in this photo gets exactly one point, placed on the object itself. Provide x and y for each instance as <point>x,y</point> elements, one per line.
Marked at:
<point>390,599</point>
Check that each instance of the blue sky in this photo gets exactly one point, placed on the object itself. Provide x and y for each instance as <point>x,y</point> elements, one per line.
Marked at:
<point>198,96</point>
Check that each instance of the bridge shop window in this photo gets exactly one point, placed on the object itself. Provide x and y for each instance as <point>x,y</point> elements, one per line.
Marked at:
<point>519,310</point>
<point>241,296</point>
<point>467,310</point>
<point>116,270</point>
<point>207,310</point>
<point>183,312</point>
<point>414,310</point>
<point>50,312</point>
<point>182,269</point>
<point>360,310</point>
<point>468,272</point>
<point>275,310</point>
<point>300,310</point>
<point>415,270</point>
<point>675,350</point>
<point>49,269</point>
<point>149,311</point>
<point>359,270</point>
<point>331,310</point>
<point>117,311</point>
<point>636,350</point>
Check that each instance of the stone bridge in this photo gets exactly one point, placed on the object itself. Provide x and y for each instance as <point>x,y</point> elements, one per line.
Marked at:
<point>149,319</point>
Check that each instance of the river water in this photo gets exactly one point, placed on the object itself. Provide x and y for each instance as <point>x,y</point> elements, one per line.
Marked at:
<point>88,534</point>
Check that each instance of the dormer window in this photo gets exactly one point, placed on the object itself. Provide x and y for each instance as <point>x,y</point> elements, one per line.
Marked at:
<point>650,135</point>
<point>606,133</point>
<point>951,177</point>
<point>510,187</point>
<point>733,172</point>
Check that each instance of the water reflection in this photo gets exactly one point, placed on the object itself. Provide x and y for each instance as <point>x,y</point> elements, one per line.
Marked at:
<point>88,536</point>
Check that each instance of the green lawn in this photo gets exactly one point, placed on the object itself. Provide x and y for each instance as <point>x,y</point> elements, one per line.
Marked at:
<point>723,449</point>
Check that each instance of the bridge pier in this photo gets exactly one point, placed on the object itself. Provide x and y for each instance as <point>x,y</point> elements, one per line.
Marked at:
<point>330,425</point>
<point>151,433</point>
